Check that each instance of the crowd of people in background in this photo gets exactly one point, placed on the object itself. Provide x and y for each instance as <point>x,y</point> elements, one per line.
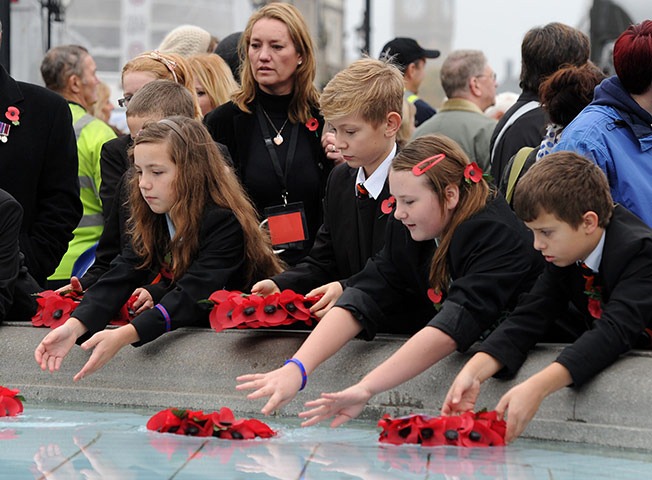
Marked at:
<point>524,223</point>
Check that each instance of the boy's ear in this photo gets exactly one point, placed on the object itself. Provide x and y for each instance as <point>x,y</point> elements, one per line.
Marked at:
<point>590,222</point>
<point>452,195</point>
<point>392,124</point>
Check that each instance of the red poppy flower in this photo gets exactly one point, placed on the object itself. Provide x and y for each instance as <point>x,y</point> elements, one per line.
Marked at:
<point>595,296</point>
<point>11,404</point>
<point>293,304</point>
<point>127,312</point>
<point>595,307</point>
<point>312,124</point>
<point>13,115</point>
<point>245,313</point>
<point>221,316</point>
<point>435,297</point>
<point>220,296</point>
<point>387,205</point>
<point>247,429</point>
<point>53,309</point>
<point>164,420</point>
<point>223,419</point>
<point>473,173</point>
<point>270,314</point>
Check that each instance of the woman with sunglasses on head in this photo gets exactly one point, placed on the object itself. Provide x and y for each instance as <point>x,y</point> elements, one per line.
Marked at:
<point>272,127</point>
<point>455,255</point>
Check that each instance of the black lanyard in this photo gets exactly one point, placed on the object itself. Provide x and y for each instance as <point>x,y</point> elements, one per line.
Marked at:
<point>282,175</point>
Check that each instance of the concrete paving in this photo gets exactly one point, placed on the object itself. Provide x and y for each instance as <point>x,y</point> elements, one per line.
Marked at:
<point>196,368</point>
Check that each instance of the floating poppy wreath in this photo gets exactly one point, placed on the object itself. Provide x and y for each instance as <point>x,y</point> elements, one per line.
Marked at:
<point>482,429</point>
<point>54,308</point>
<point>233,309</point>
<point>11,404</point>
<point>221,424</point>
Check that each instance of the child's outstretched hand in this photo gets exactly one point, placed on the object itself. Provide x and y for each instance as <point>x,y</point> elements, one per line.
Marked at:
<point>105,345</point>
<point>280,385</point>
<point>343,405</point>
<point>330,293</point>
<point>55,346</point>
<point>462,395</point>
<point>521,403</point>
<point>264,288</point>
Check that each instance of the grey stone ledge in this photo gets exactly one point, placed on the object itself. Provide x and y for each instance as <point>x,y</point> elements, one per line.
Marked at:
<point>196,368</point>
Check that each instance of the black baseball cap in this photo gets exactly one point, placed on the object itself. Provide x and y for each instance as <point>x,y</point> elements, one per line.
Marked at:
<point>403,51</point>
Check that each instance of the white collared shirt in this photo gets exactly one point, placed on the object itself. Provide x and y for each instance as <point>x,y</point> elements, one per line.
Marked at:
<point>171,227</point>
<point>595,257</point>
<point>375,183</point>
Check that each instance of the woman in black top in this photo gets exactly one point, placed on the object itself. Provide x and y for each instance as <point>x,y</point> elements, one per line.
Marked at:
<point>272,127</point>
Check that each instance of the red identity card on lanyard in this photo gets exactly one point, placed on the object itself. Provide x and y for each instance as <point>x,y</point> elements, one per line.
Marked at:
<point>287,224</point>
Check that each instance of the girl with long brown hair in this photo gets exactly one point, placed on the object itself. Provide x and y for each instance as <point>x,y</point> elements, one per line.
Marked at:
<point>455,257</point>
<point>190,218</point>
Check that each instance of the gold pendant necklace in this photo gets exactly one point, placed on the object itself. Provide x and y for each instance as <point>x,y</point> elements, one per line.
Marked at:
<point>278,139</point>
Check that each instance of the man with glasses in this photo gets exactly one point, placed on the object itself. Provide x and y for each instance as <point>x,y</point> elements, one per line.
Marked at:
<point>470,85</point>
<point>69,70</point>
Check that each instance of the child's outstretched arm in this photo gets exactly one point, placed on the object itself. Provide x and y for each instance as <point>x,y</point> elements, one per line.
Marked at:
<point>523,400</point>
<point>55,346</point>
<point>105,345</point>
<point>281,385</point>
<point>420,352</point>
<point>463,393</point>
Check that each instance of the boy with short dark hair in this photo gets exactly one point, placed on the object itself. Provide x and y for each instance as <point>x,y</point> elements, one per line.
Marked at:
<point>154,101</point>
<point>363,105</point>
<point>599,259</point>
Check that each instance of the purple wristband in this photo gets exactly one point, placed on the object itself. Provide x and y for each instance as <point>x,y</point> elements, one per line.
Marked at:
<point>166,315</point>
<point>304,375</point>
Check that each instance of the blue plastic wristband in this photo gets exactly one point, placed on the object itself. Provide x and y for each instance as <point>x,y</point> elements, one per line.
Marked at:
<point>304,375</point>
<point>166,316</point>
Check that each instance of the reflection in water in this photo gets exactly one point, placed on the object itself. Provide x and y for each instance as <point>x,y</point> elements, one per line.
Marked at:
<point>116,445</point>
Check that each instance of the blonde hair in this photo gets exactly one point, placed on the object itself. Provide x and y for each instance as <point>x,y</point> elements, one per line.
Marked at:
<point>406,129</point>
<point>450,171</point>
<point>103,95</point>
<point>165,66</point>
<point>304,94</point>
<point>203,176</point>
<point>215,76</point>
<point>368,87</point>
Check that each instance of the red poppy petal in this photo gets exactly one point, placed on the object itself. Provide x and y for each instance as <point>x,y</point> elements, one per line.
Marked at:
<point>435,297</point>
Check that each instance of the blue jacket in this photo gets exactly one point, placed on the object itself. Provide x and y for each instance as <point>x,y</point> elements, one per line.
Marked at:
<point>616,133</point>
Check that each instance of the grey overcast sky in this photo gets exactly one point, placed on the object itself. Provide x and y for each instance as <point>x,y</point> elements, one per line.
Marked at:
<point>494,26</point>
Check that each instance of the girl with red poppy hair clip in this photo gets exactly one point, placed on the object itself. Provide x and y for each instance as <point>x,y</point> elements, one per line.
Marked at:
<point>189,213</point>
<point>481,259</point>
